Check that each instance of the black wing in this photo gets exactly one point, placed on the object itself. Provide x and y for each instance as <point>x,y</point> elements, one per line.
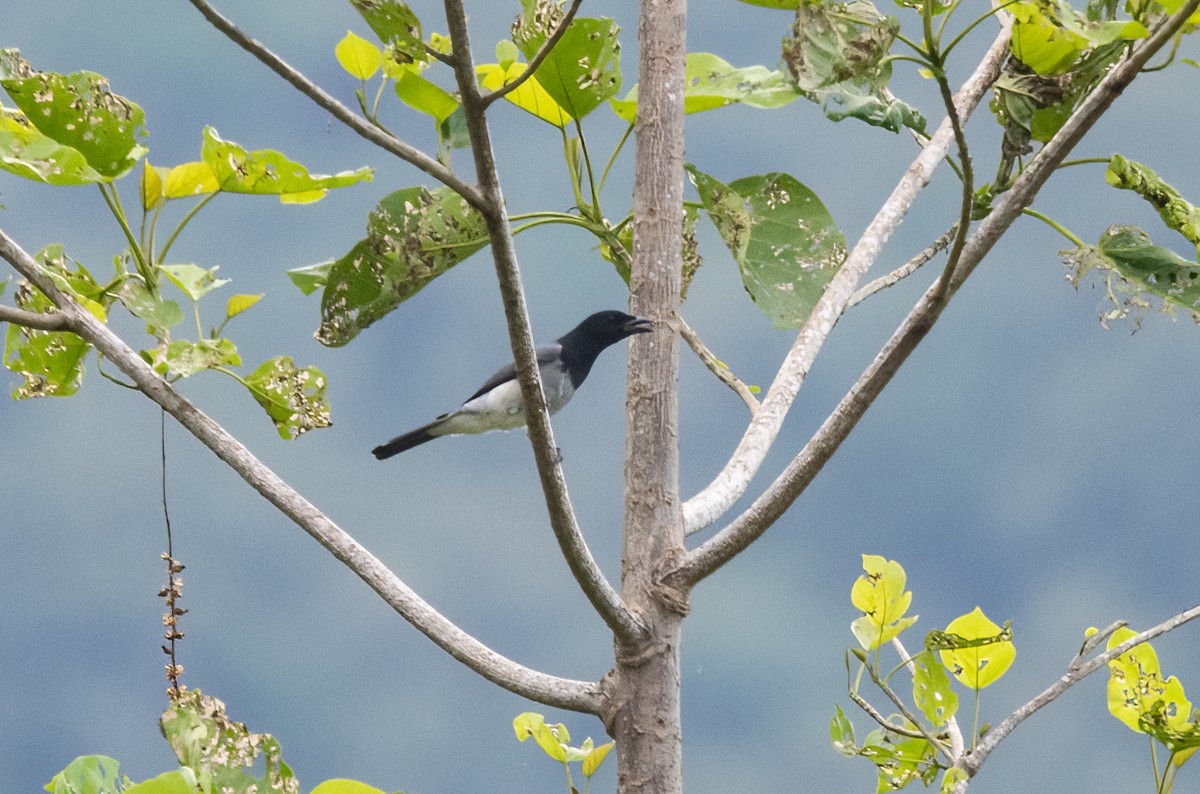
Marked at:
<point>545,354</point>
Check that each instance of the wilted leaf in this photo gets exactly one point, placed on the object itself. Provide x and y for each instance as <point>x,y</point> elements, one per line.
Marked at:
<point>268,172</point>
<point>222,751</point>
<point>77,111</point>
<point>786,244</point>
<point>293,398</point>
<point>881,596</point>
<point>584,68</point>
<point>413,236</point>
<point>1176,212</point>
<point>841,733</point>
<point>981,652</point>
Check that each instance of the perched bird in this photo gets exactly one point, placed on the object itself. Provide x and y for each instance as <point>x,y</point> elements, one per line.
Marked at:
<point>563,364</point>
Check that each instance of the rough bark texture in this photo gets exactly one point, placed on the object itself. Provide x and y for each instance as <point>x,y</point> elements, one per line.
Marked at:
<point>644,714</point>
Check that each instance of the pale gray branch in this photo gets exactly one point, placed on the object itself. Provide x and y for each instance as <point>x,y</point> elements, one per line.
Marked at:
<point>743,530</point>
<point>729,485</point>
<point>54,321</point>
<point>551,690</point>
<point>604,598</point>
<point>715,365</point>
<point>904,271</point>
<point>357,123</point>
<point>1076,673</point>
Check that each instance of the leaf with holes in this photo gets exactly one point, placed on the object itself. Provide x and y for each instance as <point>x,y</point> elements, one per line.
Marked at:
<point>28,153</point>
<point>182,358</point>
<point>1178,213</point>
<point>77,111</point>
<point>784,241</point>
<point>982,650</point>
<point>584,68</point>
<point>396,26</point>
<point>294,398</point>
<point>1140,697</point>
<point>413,236</point>
<point>881,596</point>
<point>268,172</point>
<point>931,689</point>
<point>711,82</point>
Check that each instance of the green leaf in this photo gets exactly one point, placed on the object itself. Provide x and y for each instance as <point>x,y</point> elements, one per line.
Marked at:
<point>1040,40</point>
<point>710,82</point>
<point>189,179</point>
<point>77,111</point>
<point>838,56</point>
<point>1138,271</point>
<point>182,359</point>
<point>1177,213</point>
<point>881,596</point>
<point>453,132</point>
<point>28,153</point>
<point>424,96</point>
<point>986,654</point>
<point>784,241</point>
<point>551,738</point>
<point>179,781</point>
<point>311,278</point>
<point>294,398</point>
<point>841,733</point>
<point>159,314</point>
<point>584,68</point>
<point>341,786</point>
<point>358,56</point>
<point>268,172</point>
<point>931,689</point>
<point>51,362</point>
<point>413,236</point>
<point>899,761</point>
<point>227,755</point>
<point>786,5</point>
<point>396,26</point>
<point>89,774</point>
<point>195,281</point>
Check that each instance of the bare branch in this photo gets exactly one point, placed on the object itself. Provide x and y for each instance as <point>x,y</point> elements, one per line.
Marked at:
<point>551,690</point>
<point>357,123</point>
<point>54,321</point>
<point>727,543</point>
<point>604,598</point>
<point>904,271</point>
<point>974,759</point>
<point>874,714</point>
<point>711,503</point>
<point>538,57</point>
<point>716,366</point>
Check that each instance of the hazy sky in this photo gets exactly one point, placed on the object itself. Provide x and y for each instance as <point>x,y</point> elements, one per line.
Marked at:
<point>1024,460</point>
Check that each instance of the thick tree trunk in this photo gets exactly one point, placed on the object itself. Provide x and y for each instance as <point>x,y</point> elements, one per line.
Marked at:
<point>645,686</point>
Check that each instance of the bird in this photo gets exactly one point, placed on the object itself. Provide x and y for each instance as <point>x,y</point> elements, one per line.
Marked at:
<point>563,364</point>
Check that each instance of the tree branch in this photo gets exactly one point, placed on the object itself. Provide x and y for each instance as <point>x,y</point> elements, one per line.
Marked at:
<point>1076,673</point>
<point>559,692</point>
<point>596,587</point>
<point>53,321</point>
<point>904,271</point>
<point>743,530</point>
<point>729,485</point>
<point>538,57</point>
<point>355,122</point>
<point>716,366</point>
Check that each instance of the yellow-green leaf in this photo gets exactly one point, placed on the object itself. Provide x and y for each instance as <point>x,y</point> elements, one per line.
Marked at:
<point>1136,685</point>
<point>239,303</point>
<point>551,738</point>
<point>529,96</point>
<point>189,179</point>
<point>595,758</point>
<point>343,786</point>
<point>152,186</point>
<point>358,56</point>
<point>978,663</point>
<point>880,594</point>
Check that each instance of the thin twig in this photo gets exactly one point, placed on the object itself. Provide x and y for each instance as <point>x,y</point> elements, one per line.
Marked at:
<point>716,366</point>
<point>767,509</point>
<point>904,271</point>
<point>537,59</point>
<point>730,484</point>
<point>559,692</point>
<point>974,759</point>
<point>50,321</point>
<point>603,597</point>
<point>355,122</point>
<point>874,714</point>
<point>908,715</point>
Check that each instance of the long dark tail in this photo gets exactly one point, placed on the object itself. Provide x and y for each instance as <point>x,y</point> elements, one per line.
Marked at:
<point>409,440</point>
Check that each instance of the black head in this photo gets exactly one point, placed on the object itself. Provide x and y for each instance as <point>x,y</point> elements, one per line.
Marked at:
<point>606,328</point>
<point>587,340</point>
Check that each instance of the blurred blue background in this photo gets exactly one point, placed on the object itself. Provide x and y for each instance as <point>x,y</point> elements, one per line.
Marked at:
<point>1024,460</point>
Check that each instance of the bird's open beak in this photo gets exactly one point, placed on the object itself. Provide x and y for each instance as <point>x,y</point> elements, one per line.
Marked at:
<point>638,325</point>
